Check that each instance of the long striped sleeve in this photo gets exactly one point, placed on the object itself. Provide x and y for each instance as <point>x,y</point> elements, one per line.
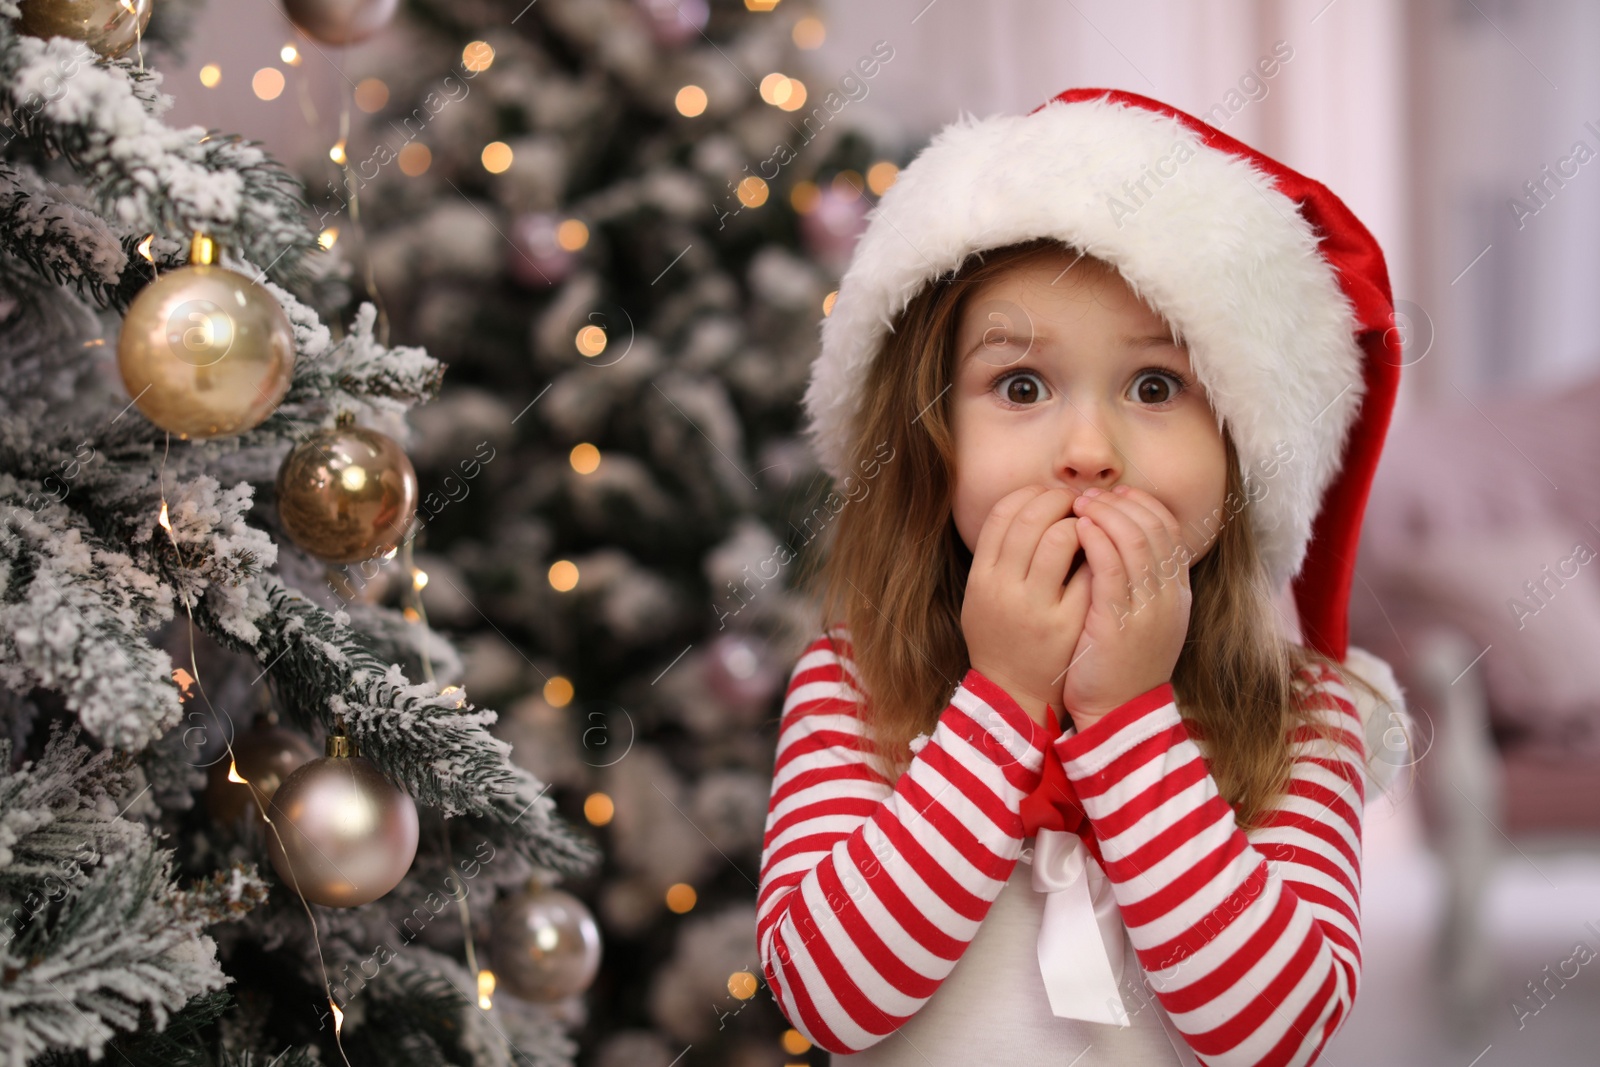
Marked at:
<point>1252,945</point>
<point>869,892</point>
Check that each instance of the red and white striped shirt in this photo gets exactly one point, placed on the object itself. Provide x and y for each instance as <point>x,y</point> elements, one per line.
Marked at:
<point>870,892</point>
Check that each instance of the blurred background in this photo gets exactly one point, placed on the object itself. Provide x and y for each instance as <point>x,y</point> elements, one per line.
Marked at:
<point>542,189</point>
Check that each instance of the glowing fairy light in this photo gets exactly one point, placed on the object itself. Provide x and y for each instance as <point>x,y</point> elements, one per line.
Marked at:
<point>233,774</point>
<point>485,989</point>
<point>338,1017</point>
<point>144,247</point>
<point>419,578</point>
<point>165,525</point>
<point>336,153</point>
<point>327,237</point>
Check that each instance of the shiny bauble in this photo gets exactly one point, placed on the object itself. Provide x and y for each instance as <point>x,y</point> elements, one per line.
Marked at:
<point>830,228</point>
<point>348,833</point>
<point>340,21</point>
<point>544,944</point>
<point>534,256</point>
<point>110,27</point>
<point>347,495</point>
<point>742,671</point>
<point>206,352</point>
<point>673,22</point>
<point>263,756</point>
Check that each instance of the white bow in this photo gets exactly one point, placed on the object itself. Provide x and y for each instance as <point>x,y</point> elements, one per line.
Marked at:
<point>1081,938</point>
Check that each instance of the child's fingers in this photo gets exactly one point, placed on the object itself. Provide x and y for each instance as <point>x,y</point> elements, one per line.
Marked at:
<point>1131,539</point>
<point>1109,585</point>
<point>1160,526</point>
<point>986,553</point>
<point>1057,545</point>
<point>1145,542</point>
<point>1021,542</point>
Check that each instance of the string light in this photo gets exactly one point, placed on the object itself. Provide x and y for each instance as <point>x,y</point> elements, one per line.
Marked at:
<point>752,191</point>
<point>290,54</point>
<point>267,83</point>
<point>477,56</point>
<point>591,341</point>
<point>599,809</point>
<point>796,97</point>
<point>485,989</point>
<point>880,176</point>
<point>775,88</point>
<point>809,33</point>
<point>563,575</point>
<point>419,578</point>
<point>336,153</point>
<point>827,303</point>
<point>233,767</point>
<point>804,197</point>
<point>558,692</point>
<point>327,237</point>
<point>681,898</point>
<point>210,75</point>
<point>496,157</point>
<point>795,1043</point>
<point>415,159</point>
<point>690,101</point>
<point>371,94</point>
<point>572,235</point>
<point>585,458</point>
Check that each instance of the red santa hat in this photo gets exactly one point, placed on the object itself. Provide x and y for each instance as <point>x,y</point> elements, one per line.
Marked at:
<point>1280,293</point>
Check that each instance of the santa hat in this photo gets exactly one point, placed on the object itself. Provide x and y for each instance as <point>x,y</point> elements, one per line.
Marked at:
<point>1278,290</point>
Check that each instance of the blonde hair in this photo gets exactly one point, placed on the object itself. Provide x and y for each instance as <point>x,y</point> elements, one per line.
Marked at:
<point>1235,678</point>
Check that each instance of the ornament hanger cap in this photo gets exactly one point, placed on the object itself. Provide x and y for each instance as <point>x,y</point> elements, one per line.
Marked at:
<point>202,250</point>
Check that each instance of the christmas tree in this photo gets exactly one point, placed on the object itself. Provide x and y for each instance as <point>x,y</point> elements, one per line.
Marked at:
<point>620,222</point>
<point>185,509</point>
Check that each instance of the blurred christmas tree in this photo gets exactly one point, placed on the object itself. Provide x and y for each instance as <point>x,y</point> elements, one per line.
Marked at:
<point>619,222</point>
<point>159,359</point>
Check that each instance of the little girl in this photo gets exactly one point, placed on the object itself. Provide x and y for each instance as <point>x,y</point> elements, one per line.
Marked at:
<point>1060,784</point>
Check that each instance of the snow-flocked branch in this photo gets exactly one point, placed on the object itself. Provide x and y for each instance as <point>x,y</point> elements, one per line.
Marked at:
<point>103,116</point>
<point>435,744</point>
<point>114,941</point>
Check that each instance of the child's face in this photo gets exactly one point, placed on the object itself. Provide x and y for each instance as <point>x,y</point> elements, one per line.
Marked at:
<point>1083,403</point>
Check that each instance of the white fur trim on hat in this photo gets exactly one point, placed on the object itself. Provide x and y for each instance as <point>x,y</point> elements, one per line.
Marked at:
<point>1199,234</point>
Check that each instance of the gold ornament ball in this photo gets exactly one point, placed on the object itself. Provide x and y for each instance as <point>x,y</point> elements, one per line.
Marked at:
<point>110,27</point>
<point>264,756</point>
<point>206,352</point>
<point>347,494</point>
<point>544,943</point>
<point>341,21</point>
<point>349,834</point>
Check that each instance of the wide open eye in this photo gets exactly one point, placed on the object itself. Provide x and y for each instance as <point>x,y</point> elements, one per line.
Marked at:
<point>1015,394</point>
<point>1148,387</point>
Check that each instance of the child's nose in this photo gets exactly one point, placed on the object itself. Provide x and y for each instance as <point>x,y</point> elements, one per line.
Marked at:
<point>1086,454</point>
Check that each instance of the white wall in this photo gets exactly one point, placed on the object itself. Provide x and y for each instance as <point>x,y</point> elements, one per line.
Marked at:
<point>1334,111</point>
